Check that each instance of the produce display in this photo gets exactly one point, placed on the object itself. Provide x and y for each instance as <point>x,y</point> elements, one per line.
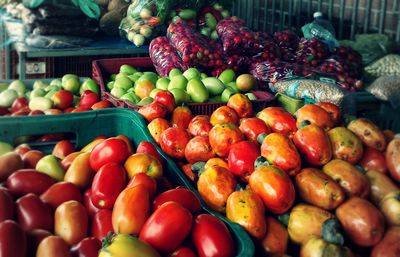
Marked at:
<point>191,86</point>
<point>67,202</point>
<point>326,177</point>
<point>68,94</point>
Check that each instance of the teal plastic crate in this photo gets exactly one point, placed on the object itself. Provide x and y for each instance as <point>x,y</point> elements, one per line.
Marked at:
<point>378,111</point>
<point>110,122</point>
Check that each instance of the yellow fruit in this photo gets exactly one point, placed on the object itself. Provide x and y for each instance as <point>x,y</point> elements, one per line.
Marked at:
<point>245,82</point>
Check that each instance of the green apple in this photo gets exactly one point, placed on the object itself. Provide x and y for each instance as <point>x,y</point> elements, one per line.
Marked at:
<point>91,85</point>
<point>110,85</point>
<point>233,86</point>
<point>7,97</point>
<point>228,92</point>
<point>178,81</point>
<point>3,86</point>
<point>72,84</point>
<point>215,99</point>
<point>227,76</point>
<point>50,93</point>
<point>69,76</point>
<point>152,76</point>
<point>197,91</point>
<point>51,87</point>
<point>213,85</point>
<point>135,76</point>
<point>174,72</point>
<point>251,96</point>
<point>5,148</point>
<point>113,76</point>
<point>18,86</point>
<point>180,96</point>
<point>145,101</point>
<point>123,82</point>
<point>118,92</point>
<point>125,68</point>
<point>154,92</point>
<point>162,83</point>
<point>131,97</point>
<point>51,166</point>
<point>56,82</point>
<point>203,75</point>
<point>40,103</point>
<point>39,84</point>
<point>38,92</point>
<point>192,73</point>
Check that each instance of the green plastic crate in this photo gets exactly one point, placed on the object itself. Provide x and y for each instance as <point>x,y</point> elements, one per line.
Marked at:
<point>110,122</point>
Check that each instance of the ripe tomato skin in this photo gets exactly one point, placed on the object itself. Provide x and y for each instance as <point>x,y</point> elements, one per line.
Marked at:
<point>241,158</point>
<point>211,237</point>
<point>131,210</point>
<point>149,148</point>
<point>145,180</point>
<point>102,224</point>
<point>167,227</point>
<point>26,181</point>
<point>183,196</point>
<point>279,120</point>
<point>110,150</point>
<point>173,141</point>
<point>13,240</point>
<point>274,187</point>
<point>373,160</point>
<point>88,247</point>
<point>108,182</point>
<point>61,192</point>
<point>183,252</point>
<point>53,246</point>
<point>87,202</point>
<point>32,213</point>
<point>34,237</point>
<point>6,206</point>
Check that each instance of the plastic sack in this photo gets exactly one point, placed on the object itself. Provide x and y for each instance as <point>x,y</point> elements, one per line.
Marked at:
<point>311,90</point>
<point>386,88</point>
<point>88,7</point>
<point>288,42</point>
<point>141,23</point>
<point>164,56</point>
<point>192,47</point>
<point>270,52</point>
<point>57,42</point>
<point>321,29</point>
<point>388,65</point>
<point>311,51</point>
<point>237,38</point>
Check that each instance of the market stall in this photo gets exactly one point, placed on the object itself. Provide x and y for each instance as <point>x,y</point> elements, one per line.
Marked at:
<point>252,128</point>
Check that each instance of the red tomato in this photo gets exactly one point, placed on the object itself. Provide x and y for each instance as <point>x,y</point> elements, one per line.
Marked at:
<point>199,149</point>
<point>61,192</point>
<point>6,206</point>
<point>87,202</point>
<point>102,224</point>
<point>211,237</point>
<point>200,126</point>
<point>81,109</point>
<point>373,160</point>
<point>100,105</point>
<point>88,247</point>
<point>333,111</point>
<point>274,187</point>
<point>182,252</point>
<point>108,182</point>
<point>88,98</point>
<point>145,180</point>
<point>278,120</point>
<point>153,111</point>
<point>183,196</point>
<point>18,104</point>
<point>242,156</point>
<point>181,117</point>
<point>32,213</point>
<point>34,237</point>
<point>62,149</point>
<point>13,240</point>
<point>110,150</point>
<point>167,227</point>
<point>173,142</point>
<point>149,148</point>
<point>253,127</point>
<point>222,136</point>
<point>27,181</point>
<point>165,98</point>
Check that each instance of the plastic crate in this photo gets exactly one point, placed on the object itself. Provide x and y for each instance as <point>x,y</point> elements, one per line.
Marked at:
<point>110,122</point>
<point>380,112</point>
<point>103,68</point>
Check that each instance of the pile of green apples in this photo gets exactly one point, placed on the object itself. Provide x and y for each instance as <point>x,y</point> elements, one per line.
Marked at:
<point>190,86</point>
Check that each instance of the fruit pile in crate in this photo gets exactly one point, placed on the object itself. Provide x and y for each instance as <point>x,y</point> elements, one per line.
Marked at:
<point>318,175</point>
<point>68,94</point>
<point>71,200</point>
